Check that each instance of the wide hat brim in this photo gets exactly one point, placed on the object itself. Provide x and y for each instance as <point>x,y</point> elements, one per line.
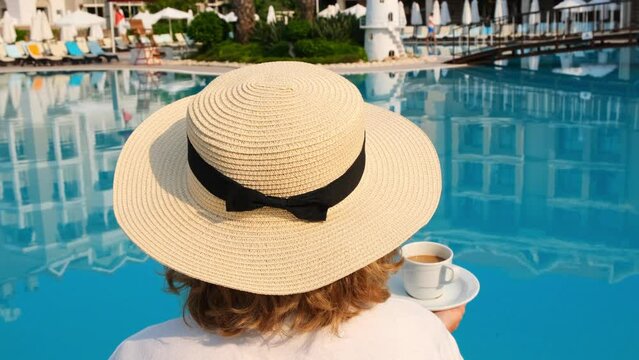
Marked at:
<point>269,251</point>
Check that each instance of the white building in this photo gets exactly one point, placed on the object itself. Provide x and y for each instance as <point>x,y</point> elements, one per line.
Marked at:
<point>382,30</point>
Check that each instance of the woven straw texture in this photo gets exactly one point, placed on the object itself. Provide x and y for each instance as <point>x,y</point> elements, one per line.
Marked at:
<point>283,129</point>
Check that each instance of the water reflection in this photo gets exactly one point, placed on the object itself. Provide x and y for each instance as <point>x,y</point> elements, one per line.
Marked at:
<point>60,136</point>
<point>540,168</point>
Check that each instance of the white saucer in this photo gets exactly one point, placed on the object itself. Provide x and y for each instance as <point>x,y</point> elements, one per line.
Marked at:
<point>461,291</point>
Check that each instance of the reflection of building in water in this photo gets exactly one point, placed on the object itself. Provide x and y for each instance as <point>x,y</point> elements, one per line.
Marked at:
<point>384,89</point>
<point>60,137</point>
<point>541,172</point>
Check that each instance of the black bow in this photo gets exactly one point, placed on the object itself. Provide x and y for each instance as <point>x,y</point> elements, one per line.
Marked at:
<point>310,206</point>
<point>303,207</point>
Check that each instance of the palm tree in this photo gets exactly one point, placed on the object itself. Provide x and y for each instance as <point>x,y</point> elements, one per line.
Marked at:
<point>245,11</point>
<point>307,9</point>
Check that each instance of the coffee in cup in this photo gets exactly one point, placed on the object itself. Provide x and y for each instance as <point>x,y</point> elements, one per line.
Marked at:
<point>428,259</point>
<point>427,269</point>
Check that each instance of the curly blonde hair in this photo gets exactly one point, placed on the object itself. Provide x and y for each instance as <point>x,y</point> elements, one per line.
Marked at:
<point>229,312</point>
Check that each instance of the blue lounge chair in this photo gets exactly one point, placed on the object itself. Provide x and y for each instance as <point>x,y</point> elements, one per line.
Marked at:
<point>15,53</point>
<point>96,50</point>
<point>74,50</point>
<point>4,59</point>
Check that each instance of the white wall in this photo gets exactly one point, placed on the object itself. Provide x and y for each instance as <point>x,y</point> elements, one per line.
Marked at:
<point>21,10</point>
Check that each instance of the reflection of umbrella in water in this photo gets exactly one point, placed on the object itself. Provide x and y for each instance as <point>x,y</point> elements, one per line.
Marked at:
<point>15,90</point>
<point>98,80</point>
<point>533,63</point>
<point>572,71</point>
<point>566,60</point>
<point>4,97</point>
<point>437,72</point>
<point>60,84</point>
<point>178,86</point>
<point>126,81</point>
<point>599,70</point>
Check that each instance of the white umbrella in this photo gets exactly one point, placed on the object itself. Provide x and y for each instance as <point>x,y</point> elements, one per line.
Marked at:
<point>8,28</point>
<point>147,18</point>
<point>359,11</point>
<point>437,15</point>
<point>270,16</point>
<point>80,19</point>
<point>68,33</point>
<point>568,3</point>
<point>401,14</point>
<point>445,13</point>
<point>230,17</point>
<point>328,12</point>
<point>499,9</point>
<point>170,13</point>
<point>474,7</point>
<point>190,18</point>
<point>415,15</point>
<point>534,18</point>
<point>45,27</point>
<point>96,32</point>
<point>35,31</point>
<point>467,17</point>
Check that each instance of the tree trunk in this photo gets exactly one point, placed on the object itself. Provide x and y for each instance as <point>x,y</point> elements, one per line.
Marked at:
<point>245,11</point>
<point>307,9</point>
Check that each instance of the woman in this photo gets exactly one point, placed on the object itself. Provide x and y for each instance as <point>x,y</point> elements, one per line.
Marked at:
<point>277,198</point>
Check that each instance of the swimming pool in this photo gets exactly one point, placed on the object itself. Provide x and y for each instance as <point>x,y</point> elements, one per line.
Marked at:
<point>541,201</point>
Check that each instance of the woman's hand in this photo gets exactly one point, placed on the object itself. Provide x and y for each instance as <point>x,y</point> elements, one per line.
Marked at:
<point>451,317</point>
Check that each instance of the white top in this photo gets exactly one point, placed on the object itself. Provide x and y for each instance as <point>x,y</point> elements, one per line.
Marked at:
<point>396,329</point>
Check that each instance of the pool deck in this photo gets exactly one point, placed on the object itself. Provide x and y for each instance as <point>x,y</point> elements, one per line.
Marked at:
<point>193,67</point>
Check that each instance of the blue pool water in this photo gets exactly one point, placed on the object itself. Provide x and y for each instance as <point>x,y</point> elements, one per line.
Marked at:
<point>541,201</point>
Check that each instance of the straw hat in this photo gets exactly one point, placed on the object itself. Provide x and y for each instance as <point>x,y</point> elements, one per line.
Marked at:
<point>260,135</point>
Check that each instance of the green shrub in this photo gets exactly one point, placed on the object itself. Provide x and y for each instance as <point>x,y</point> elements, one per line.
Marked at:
<point>279,50</point>
<point>297,29</point>
<point>312,47</point>
<point>21,35</point>
<point>162,26</point>
<point>184,5</point>
<point>208,28</point>
<point>268,33</point>
<point>342,27</point>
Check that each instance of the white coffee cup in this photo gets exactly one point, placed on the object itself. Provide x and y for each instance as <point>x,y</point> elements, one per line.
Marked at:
<point>425,280</point>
